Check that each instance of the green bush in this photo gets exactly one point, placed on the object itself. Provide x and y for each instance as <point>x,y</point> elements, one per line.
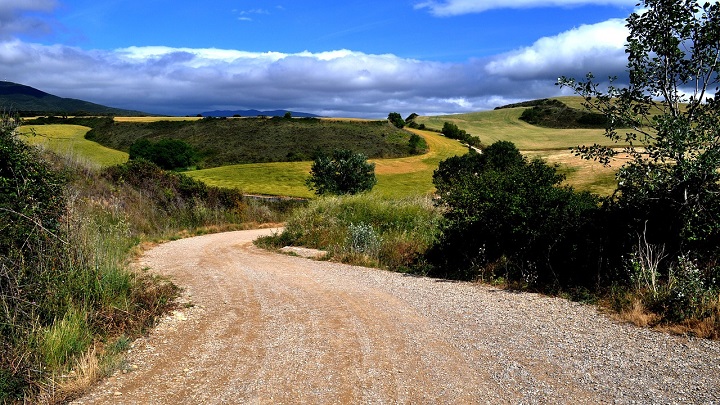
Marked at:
<point>507,216</point>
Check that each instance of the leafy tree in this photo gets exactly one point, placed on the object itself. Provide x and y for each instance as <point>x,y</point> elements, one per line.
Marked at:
<point>511,214</point>
<point>669,189</point>
<point>396,119</point>
<point>345,172</point>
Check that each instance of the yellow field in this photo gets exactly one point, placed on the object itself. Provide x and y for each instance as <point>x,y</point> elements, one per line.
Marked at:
<point>70,140</point>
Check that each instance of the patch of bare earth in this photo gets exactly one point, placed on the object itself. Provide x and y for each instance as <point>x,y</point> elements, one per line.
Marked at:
<point>273,328</point>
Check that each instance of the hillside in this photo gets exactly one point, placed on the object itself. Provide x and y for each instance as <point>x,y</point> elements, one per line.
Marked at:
<point>29,101</point>
<point>257,113</point>
<point>258,140</point>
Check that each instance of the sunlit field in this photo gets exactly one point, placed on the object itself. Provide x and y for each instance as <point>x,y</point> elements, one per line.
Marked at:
<point>70,140</point>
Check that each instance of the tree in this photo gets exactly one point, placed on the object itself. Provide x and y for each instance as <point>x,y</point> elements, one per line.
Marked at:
<point>396,119</point>
<point>669,189</point>
<point>345,172</point>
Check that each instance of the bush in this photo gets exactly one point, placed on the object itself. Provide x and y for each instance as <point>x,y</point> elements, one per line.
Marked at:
<point>396,119</point>
<point>509,217</point>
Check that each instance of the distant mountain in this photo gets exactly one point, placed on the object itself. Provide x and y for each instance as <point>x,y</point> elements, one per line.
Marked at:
<point>256,113</point>
<point>27,100</point>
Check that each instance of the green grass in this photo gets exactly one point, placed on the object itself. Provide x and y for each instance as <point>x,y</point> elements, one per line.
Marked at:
<point>552,145</point>
<point>399,177</point>
<point>70,140</point>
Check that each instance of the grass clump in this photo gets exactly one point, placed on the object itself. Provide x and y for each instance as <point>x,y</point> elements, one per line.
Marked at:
<point>364,229</point>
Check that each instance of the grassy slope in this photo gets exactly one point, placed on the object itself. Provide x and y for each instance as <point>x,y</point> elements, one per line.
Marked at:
<point>396,177</point>
<point>221,142</point>
<point>550,144</point>
<point>70,139</point>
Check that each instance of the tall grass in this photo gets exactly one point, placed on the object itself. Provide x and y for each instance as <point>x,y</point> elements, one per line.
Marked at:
<point>364,229</point>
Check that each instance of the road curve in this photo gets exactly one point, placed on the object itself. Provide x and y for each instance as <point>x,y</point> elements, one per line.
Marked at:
<point>270,328</point>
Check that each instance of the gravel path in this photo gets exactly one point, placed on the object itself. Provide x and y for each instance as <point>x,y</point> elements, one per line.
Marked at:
<point>270,328</point>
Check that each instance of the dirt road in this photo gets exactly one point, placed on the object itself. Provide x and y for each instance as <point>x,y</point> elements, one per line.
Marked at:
<point>270,328</point>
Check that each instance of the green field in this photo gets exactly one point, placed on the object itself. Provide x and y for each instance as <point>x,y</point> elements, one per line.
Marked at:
<point>552,145</point>
<point>398,177</point>
<point>70,140</point>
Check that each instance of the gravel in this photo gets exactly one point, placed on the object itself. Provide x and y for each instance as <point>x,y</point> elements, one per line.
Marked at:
<point>269,328</point>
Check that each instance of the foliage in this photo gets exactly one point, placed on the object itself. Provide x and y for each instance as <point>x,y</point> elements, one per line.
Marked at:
<point>345,172</point>
<point>669,189</point>
<point>396,119</point>
<point>364,229</point>
<point>169,154</point>
<point>507,216</point>
<point>452,131</point>
<point>417,144</point>
<point>671,182</point>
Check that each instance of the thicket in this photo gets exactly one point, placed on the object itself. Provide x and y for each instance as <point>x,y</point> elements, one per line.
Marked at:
<point>556,114</point>
<point>169,154</point>
<point>508,217</point>
<point>66,232</point>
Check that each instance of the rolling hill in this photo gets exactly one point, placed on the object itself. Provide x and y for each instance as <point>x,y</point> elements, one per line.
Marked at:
<point>29,101</point>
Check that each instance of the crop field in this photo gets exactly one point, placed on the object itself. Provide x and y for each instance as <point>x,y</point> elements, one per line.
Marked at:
<point>70,140</point>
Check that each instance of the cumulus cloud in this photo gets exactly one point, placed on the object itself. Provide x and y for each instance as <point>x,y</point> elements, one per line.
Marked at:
<point>14,18</point>
<point>180,81</point>
<point>598,47</point>
<point>458,7</point>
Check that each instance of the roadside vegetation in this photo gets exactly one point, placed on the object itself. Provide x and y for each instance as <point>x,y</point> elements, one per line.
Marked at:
<point>69,303</point>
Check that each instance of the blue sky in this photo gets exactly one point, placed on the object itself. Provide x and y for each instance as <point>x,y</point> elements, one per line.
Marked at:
<point>351,58</point>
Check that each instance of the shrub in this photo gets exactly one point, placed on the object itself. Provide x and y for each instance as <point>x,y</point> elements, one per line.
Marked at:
<point>509,216</point>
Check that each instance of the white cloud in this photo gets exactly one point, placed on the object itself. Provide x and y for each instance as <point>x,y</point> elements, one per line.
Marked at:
<point>342,82</point>
<point>459,7</point>
<point>597,47</point>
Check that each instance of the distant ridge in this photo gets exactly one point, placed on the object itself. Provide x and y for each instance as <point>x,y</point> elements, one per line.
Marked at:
<point>27,100</point>
<point>256,113</point>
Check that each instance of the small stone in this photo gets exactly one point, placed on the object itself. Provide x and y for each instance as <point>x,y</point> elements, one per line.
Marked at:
<point>117,393</point>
